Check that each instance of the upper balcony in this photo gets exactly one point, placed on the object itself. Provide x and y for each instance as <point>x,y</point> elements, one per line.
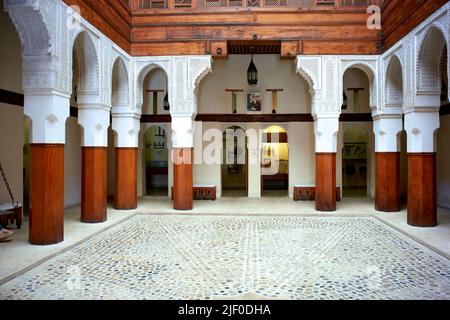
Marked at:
<point>146,6</point>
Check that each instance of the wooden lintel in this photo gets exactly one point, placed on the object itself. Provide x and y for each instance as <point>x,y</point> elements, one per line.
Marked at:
<point>274,90</point>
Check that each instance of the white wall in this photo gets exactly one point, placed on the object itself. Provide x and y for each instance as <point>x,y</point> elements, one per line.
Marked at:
<point>302,163</point>
<point>72,164</point>
<point>11,117</point>
<point>11,150</point>
<point>443,160</point>
<point>273,73</point>
<point>209,174</point>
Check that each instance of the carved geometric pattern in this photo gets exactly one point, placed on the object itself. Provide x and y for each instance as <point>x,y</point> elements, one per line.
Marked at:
<point>120,89</point>
<point>88,66</point>
<point>428,68</point>
<point>394,83</point>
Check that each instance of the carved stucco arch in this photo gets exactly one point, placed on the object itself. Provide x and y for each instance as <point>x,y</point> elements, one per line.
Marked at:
<point>370,72</point>
<point>142,74</point>
<point>31,25</point>
<point>394,90</point>
<point>120,84</point>
<point>308,78</point>
<point>200,68</point>
<point>85,64</point>
<point>201,74</point>
<point>431,47</point>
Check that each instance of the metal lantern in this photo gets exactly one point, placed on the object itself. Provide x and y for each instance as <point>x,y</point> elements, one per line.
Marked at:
<point>166,104</point>
<point>252,74</point>
<point>345,102</point>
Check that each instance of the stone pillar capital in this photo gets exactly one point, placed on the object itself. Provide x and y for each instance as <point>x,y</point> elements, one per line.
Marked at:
<point>183,127</point>
<point>127,127</point>
<point>386,129</point>
<point>94,119</point>
<point>421,125</point>
<point>48,113</point>
<point>326,127</point>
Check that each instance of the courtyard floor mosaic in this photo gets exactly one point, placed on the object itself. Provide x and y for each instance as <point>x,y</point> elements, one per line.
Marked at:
<point>224,257</point>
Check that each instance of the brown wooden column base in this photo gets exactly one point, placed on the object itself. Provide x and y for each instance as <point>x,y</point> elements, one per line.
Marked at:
<point>326,181</point>
<point>47,194</point>
<point>93,184</point>
<point>387,188</point>
<point>126,179</point>
<point>422,199</point>
<point>182,179</point>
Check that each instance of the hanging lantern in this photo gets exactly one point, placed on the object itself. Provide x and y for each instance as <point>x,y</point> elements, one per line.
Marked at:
<point>166,104</point>
<point>345,103</point>
<point>252,73</point>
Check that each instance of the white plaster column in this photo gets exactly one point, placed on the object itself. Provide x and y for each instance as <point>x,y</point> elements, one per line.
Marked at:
<point>387,167</point>
<point>48,113</point>
<point>326,127</point>
<point>386,129</point>
<point>421,124</point>
<point>127,127</point>
<point>183,127</point>
<point>94,118</point>
<point>254,145</point>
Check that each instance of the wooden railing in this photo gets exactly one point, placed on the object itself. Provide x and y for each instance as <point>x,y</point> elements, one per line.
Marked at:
<point>206,4</point>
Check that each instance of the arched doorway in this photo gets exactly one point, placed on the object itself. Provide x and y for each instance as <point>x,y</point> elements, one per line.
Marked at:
<point>356,155</point>
<point>156,161</point>
<point>234,169</point>
<point>354,161</point>
<point>155,169</point>
<point>275,162</point>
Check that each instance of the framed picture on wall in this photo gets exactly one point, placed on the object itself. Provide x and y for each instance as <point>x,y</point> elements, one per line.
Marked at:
<point>254,102</point>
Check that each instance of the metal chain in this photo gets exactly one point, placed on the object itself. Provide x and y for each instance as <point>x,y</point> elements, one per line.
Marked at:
<point>8,187</point>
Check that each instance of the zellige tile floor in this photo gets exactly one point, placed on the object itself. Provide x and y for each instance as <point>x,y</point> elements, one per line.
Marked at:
<point>264,248</point>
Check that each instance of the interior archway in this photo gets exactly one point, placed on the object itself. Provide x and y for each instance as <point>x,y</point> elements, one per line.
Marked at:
<point>234,169</point>
<point>275,162</point>
<point>356,155</point>
<point>156,161</point>
<point>355,161</point>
